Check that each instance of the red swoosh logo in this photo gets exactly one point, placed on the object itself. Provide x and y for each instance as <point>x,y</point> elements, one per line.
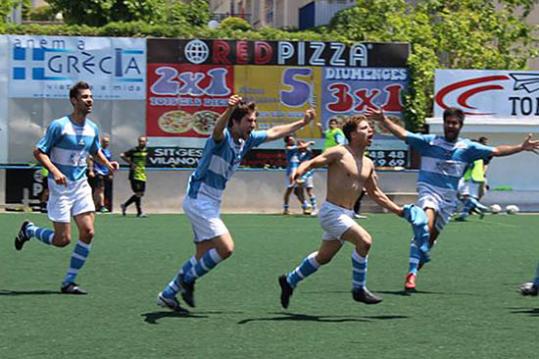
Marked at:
<point>463,98</point>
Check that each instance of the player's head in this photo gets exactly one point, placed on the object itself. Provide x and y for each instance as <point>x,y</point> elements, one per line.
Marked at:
<point>333,123</point>
<point>105,141</point>
<point>243,119</point>
<point>358,131</point>
<point>142,141</point>
<point>483,140</point>
<point>81,98</point>
<point>289,140</point>
<point>453,122</point>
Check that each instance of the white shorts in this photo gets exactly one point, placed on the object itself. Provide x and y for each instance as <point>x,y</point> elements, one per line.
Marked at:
<point>308,181</point>
<point>444,206</point>
<point>69,200</point>
<point>335,221</point>
<point>470,188</point>
<point>204,215</point>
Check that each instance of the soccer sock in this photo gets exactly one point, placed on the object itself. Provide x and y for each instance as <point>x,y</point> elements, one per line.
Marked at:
<point>206,263</point>
<point>44,235</point>
<point>476,204</point>
<point>536,279</point>
<point>78,258</point>
<point>313,201</point>
<point>137,203</point>
<point>132,199</point>
<point>415,256</point>
<point>308,266</point>
<point>174,286</point>
<point>468,206</point>
<point>359,270</point>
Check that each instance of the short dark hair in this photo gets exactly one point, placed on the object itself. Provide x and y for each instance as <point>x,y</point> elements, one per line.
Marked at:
<point>454,112</point>
<point>350,125</point>
<point>74,90</point>
<point>482,140</point>
<point>240,111</point>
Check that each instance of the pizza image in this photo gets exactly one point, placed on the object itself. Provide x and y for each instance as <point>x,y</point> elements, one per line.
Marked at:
<point>204,121</point>
<point>176,121</point>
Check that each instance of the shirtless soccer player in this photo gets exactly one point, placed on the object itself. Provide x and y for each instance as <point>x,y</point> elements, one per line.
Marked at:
<point>233,135</point>
<point>349,171</point>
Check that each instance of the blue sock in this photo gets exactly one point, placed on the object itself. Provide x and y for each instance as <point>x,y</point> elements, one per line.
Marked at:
<point>174,286</point>
<point>359,270</point>
<point>313,202</point>
<point>414,260</point>
<point>44,235</point>
<point>78,258</point>
<point>468,206</point>
<point>536,279</point>
<point>206,263</point>
<point>308,266</point>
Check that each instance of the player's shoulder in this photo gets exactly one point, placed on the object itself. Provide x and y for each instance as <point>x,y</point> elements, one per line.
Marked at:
<point>59,122</point>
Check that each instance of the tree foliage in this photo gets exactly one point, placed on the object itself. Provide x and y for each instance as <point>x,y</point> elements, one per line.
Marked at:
<point>465,34</point>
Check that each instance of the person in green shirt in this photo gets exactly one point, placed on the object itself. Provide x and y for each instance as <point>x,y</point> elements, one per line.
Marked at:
<point>136,159</point>
<point>333,136</point>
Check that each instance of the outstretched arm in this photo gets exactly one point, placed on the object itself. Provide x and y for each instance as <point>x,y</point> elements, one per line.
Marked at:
<point>284,130</point>
<point>378,115</point>
<point>527,145</point>
<point>324,159</point>
<point>375,192</point>
<point>222,122</point>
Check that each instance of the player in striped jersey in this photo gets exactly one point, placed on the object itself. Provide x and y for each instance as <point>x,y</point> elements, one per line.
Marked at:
<point>233,135</point>
<point>443,161</point>
<point>64,151</point>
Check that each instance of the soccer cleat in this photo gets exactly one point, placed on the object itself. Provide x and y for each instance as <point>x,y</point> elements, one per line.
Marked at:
<point>142,215</point>
<point>72,288</point>
<point>529,289</point>
<point>170,303</point>
<point>364,295</point>
<point>123,207</point>
<point>307,211</point>
<point>286,211</point>
<point>359,216</point>
<point>409,283</point>
<point>21,236</point>
<point>188,292</point>
<point>314,213</point>
<point>286,291</point>
<point>103,210</point>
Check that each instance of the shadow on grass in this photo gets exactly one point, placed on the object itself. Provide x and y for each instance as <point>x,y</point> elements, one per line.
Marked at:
<point>153,317</point>
<point>408,293</point>
<point>532,312</point>
<point>320,318</point>
<point>10,293</point>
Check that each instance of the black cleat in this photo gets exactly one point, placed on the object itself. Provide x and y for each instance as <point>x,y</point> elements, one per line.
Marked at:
<point>364,295</point>
<point>124,208</point>
<point>286,291</point>
<point>529,289</point>
<point>72,288</point>
<point>21,236</point>
<point>170,303</point>
<point>188,292</point>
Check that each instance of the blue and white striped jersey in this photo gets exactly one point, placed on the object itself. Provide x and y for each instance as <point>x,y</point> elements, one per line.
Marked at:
<point>68,146</point>
<point>292,158</point>
<point>305,156</point>
<point>443,163</point>
<point>219,162</point>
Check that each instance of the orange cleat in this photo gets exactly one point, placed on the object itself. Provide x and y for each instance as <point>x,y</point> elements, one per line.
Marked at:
<point>409,284</point>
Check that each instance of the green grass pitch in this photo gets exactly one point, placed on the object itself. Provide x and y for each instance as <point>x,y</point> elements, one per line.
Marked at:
<point>467,307</point>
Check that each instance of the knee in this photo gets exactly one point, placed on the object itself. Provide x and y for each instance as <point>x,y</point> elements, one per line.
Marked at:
<point>365,243</point>
<point>61,239</point>
<point>87,235</point>
<point>323,259</point>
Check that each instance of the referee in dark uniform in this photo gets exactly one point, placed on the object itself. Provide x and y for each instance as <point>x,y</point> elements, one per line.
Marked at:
<point>136,159</point>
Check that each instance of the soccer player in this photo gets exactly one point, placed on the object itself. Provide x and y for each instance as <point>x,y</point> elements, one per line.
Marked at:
<point>136,159</point>
<point>443,161</point>
<point>306,182</point>
<point>333,136</point>
<point>531,288</point>
<point>471,185</point>
<point>233,135</point>
<point>101,176</point>
<point>64,150</point>
<point>292,163</point>
<point>349,171</point>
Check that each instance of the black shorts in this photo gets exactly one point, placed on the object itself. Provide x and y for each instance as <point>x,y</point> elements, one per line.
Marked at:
<point>138,186</point>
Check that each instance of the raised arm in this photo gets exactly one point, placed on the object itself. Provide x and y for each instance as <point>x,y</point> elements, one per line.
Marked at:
<point>527,145</point>
<point>222,122</point>
<point>377,195</point>
<point>284,130</point>
<point>378,115</point>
